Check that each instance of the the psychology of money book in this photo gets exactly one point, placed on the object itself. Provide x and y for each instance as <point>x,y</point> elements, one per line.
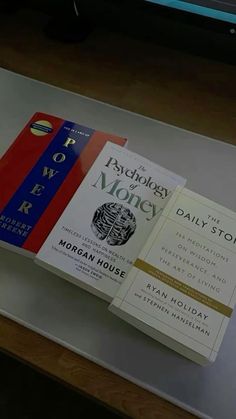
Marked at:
<point>103,228</point>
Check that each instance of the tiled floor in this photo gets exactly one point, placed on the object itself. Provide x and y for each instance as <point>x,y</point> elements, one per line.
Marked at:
<point>27,394</point>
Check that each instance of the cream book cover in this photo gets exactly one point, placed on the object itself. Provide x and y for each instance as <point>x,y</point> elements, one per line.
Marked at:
<point>107,221</point>
<point>181,289</point>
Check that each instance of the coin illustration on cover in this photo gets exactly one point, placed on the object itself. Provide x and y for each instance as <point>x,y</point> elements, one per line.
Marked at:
<point>114,223</point>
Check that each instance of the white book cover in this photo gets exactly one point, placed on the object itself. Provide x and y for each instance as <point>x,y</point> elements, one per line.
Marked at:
<point>181,289</point>
<point>109,218</point>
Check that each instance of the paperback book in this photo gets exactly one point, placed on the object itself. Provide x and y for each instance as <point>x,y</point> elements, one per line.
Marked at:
<point>181,288</point>
<point>39,174</point>
<point>103,228</point>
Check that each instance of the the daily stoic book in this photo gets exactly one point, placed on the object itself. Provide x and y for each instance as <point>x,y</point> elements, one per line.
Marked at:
<point>39,174</point>
<point>181,290</point>
<point>103,228</point>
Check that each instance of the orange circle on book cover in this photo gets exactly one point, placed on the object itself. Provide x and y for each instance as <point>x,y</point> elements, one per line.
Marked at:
<point>41,128</point>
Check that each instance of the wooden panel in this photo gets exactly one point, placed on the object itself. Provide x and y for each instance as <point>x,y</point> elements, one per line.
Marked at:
<point>173,86</point>
<point>84,375</point>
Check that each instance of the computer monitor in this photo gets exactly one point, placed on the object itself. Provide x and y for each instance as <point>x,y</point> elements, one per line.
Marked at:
<point>224,10</point>
<point>202,27</point>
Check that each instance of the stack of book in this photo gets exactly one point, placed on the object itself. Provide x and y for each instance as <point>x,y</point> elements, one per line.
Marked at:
<point>122,228</point>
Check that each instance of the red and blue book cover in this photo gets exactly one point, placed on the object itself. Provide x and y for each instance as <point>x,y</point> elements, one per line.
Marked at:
<point>39,174</point>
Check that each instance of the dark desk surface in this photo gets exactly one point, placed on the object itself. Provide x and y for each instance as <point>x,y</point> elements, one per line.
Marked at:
<point>176,87</point>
